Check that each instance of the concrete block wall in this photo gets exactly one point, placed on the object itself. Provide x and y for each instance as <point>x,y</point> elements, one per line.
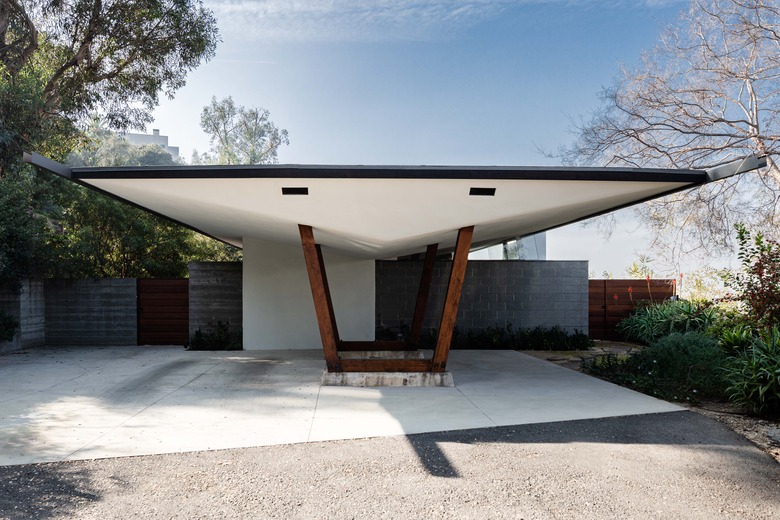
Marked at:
<point>526,294</point>
<point>215,294</point>
<point>28,306</point>
<point>91,312</point>
<point>9,303</point>
<point>32,307</point>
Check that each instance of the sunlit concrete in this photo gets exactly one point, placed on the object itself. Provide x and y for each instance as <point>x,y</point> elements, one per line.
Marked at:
<point>82,403</point>
<point>385,379</point>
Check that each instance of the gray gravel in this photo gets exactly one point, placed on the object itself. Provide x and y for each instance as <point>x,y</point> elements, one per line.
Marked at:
<point>672,465</point>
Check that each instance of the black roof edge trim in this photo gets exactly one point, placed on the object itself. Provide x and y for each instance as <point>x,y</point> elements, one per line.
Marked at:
<point>624,175</point>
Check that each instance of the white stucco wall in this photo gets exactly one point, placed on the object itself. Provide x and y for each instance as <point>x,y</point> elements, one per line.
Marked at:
<point>278,308</point>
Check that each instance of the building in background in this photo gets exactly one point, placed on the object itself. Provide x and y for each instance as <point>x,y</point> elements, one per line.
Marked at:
<point>153,138</point>
<point>533,247</point>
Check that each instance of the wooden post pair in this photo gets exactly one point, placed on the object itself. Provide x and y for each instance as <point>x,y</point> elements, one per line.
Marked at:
<point>326,319</point>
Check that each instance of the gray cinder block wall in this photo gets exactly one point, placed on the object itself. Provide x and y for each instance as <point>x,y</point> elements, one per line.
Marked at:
<point>104,311</point>
<point>525,293</point>
<point>91,312</point>
<point>215,294</point>
<point>28,306</point>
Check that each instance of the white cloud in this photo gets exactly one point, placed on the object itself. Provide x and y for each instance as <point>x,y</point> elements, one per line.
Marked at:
<point>350,20</point>
<point>369,20</point>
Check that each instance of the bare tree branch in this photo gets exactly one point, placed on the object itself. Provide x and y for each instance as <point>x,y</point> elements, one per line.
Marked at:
<point>707,93</point>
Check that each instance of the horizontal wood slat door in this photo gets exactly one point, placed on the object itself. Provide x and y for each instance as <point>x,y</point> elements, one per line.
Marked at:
<point>163,312</point>
<point>609,301</point>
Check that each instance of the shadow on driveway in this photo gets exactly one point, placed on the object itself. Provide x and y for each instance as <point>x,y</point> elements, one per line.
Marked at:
<point>42,491</point>
<point>669,465</point>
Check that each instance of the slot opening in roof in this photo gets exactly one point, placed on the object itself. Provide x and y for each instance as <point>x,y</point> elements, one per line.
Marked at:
<point>295,190</point>
<point>482,192</point>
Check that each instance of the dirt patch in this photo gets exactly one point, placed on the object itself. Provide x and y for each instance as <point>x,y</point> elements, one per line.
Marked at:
<point>763,433</point>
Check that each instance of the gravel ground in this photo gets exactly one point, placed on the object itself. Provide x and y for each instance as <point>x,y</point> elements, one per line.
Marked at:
<point>673,465</point>
<point>764,433</point>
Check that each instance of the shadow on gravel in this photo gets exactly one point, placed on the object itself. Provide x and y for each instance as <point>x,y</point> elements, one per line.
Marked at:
<point>684,429</point>
<point>433,458</point>
<point>43,491</point>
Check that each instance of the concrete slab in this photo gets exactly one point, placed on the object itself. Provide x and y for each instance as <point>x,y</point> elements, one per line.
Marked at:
<point>83,403</point>
<point>374,379</point>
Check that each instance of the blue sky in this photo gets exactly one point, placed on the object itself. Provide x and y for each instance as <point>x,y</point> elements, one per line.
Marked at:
<point>425,82</point>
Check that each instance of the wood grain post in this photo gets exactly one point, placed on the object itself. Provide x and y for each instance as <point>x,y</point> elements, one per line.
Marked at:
<point>422,294</point>
<point>451,302</point>
<point>327,294</point>
<point>323,305</point>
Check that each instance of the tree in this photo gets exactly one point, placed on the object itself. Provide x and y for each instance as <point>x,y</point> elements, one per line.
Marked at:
<point>62,60</point>
<point>708,93</point>
<point>104,237</point>
<point>23,234</point>
<point>239,135</point>
<point>641,267</point>
<point>76,57</point>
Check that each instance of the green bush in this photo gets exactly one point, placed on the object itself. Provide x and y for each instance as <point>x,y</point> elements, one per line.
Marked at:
<point>732,328</point>
<point>217,337</point>
<point>648,323</point>
<point>680,366</point>
<point>8,326</point>
<point>737,339</point>
<point>758,281</point>
<point>500,338</point>
<point>754,375</point>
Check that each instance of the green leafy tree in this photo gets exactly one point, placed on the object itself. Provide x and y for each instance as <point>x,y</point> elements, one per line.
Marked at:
<point>239,135</point>
<point>23,233</point>
<point>104,237</point>
<point>61,61</point>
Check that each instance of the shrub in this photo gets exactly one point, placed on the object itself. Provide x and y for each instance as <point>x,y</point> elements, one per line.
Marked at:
<point>737,339</point>
<point>650,322</point>
<point>8,326</point>
<point>538,338</point>
<point>754,375</point>
<point>680,366</point>
<point>217,337</point>
<point>758,282</point>
<point>731,328</point>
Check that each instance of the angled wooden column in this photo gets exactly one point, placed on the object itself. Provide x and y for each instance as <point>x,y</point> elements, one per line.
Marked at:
<point>323,306</point>
<point>450,312</point>
<point>327,294</point>
<point>422,294</point>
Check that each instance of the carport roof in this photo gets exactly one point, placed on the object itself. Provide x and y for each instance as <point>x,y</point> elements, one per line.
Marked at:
<point>383,211</point>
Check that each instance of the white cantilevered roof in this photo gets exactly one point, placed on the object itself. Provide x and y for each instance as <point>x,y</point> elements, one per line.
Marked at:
<point>378,211</point>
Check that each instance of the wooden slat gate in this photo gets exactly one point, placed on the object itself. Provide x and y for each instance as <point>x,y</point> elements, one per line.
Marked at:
<point>163,312</point>
<point>609,301</point>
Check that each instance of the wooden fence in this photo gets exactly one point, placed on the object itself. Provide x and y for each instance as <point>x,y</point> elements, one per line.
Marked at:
<point>609,301</point>
<point>163,312</point>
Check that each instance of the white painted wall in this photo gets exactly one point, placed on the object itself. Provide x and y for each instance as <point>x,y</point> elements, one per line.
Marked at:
<point>278,307</point>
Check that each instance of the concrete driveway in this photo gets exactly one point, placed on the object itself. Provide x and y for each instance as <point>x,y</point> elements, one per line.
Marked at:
<point>84,403</point>
<point>517,438</point>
